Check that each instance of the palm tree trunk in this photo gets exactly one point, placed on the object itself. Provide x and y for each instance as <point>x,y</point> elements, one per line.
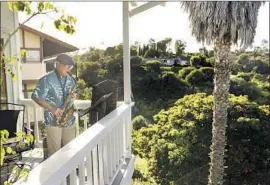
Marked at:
<point>221,93</point>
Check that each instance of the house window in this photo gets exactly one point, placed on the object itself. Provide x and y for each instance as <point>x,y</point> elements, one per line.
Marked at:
<point>3,85</point>
<point>32,55</point>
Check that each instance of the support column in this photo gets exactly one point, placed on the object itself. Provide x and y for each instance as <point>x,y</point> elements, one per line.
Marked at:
<point>126,52</point>
<point>18,87</point>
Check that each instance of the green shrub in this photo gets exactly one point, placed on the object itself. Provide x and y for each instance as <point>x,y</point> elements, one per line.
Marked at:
<point>136,61</point>
<point>245,76</point>
<point>261,81</point>
<point>114,66</point>
<point>201,61</point>
<point>185,71</point>
<point>242,58</point>
<point>211,61</point>
<point>239,86</point>
<point>176,69</point>
<point>171,80</point>
<point>90,73</point>
<point>148,109</point>
<point>195,78</point>
<point>153,66</point>
<point>208,73</point>
<point>85,92</point>
<point>166,69</point>
<point>90,66</point>
<point>151,53</point>
<point>195,61</point>
<point>179,143</point>
<point>248,64</point>
<point>139,122</point>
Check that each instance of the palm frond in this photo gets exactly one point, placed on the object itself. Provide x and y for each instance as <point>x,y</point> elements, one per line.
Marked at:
<point>211,20</point>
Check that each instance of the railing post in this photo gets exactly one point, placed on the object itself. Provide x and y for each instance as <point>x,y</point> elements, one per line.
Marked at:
<point>77,124</point>
<point>126,52</point>
<point>28,119</point>
<point>38,143</point>
<point>127,78</point>
<point>129,133</point>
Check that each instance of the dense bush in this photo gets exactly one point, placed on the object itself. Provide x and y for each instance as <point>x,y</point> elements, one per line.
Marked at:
<point>245,76</point>
<point>153,66</point>
<point>208,73</point>
<point>179,143</point>
<point>139,122</point>
<point>90,71</point>
<point>136,61</point>
<point>242,58</point>
<point>260,66</point>
<point>239,86</point>
<point>143,107</point>
<point>201,61</point>
<point>85,93</point>
<point>195,61</point>
<point>262,81</point>
<point>185,71</point>
<point>211,61</point>
<point>247,64</point>
<point>195,78</point>
<point>201,80</point>
<point>151,53</point>
<point>114,66</point>
<point>170,80</point>
<point>166,68</point>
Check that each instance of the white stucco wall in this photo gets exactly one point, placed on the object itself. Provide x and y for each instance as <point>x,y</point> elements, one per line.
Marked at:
<point>32,71</point>
<point>31,40</point>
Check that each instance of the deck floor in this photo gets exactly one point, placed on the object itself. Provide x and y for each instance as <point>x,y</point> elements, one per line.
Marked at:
<point>36,156</point>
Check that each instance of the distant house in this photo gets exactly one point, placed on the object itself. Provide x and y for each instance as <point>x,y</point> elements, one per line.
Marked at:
<point>39,47</point>
<point>185,60</point>
<point>179,60</point>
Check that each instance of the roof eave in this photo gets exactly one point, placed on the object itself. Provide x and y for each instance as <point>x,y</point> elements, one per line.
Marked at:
<point>48,37</point>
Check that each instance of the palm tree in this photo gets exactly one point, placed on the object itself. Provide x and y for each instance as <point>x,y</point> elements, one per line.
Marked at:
<point>222,23</point>
<point>179,47</point>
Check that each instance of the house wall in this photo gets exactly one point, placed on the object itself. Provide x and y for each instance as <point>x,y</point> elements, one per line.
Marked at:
<point>31,40</point>
<point>32,66</point>
<point>32,71</point>
<point>21,38</point>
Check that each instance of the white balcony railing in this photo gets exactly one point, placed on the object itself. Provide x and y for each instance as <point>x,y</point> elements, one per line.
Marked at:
<point>34,116</point>
<point>95,157</point>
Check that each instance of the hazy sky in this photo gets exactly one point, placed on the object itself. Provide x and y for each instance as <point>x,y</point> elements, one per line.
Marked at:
<point>100,24</point>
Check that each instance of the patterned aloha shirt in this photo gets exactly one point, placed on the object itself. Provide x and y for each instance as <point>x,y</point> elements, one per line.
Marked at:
<point>54,89</point>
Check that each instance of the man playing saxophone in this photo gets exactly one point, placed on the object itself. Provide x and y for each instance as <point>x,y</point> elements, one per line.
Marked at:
<point>51,93</point>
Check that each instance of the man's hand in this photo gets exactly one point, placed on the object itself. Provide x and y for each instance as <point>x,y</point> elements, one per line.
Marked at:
<point>57,112</point>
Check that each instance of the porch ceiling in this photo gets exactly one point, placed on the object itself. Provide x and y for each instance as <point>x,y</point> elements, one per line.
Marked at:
<point>52,48</point>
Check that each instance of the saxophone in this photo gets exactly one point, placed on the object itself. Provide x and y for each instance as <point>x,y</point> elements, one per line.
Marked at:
<point>69,108</point>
